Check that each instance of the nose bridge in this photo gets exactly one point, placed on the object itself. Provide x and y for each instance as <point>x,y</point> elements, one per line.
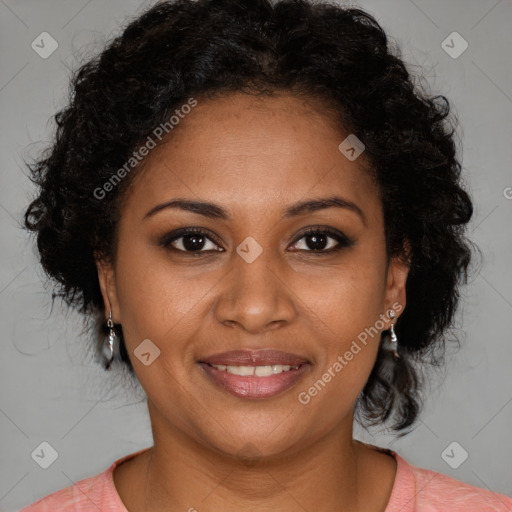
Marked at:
<point>254,295</point>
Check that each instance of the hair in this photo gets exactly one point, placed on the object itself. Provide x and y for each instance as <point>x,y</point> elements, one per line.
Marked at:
<point>338,55</point>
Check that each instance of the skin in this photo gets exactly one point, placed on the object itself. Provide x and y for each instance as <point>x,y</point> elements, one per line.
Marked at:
<point>254,156</point>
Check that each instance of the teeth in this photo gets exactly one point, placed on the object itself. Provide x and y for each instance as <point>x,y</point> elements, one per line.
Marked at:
<point>263,371</point>
<point>258,371</point>
<point>245,371</point>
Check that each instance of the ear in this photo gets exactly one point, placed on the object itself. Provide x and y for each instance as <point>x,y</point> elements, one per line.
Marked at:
<point>398,270</point>
<point>107,280</point>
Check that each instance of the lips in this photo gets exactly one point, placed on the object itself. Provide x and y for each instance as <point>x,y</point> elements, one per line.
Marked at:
<point>274,372</point>
<point>264,357</point>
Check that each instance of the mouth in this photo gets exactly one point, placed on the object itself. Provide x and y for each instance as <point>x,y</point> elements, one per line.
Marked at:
<point>255,374</point>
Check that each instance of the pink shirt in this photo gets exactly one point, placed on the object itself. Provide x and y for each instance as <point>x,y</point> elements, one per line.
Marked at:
<point>415,490</point>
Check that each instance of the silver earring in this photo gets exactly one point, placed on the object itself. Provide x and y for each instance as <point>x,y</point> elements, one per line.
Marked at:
<point>108,347</point>
<point>394,339</point>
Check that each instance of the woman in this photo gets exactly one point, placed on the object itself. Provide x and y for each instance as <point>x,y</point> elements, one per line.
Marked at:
<point>270,219</point>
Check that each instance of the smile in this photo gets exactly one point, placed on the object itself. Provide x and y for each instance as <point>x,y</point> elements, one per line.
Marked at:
<point>255,381</point>
<point>258,371</point>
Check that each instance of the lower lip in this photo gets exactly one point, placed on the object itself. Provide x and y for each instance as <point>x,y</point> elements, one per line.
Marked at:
<point>255,387</point>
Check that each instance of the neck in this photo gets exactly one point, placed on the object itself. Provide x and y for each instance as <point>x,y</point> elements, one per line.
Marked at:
<point>331,474</point>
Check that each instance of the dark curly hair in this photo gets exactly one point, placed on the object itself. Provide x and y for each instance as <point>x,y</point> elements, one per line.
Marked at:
<point>339,56</point>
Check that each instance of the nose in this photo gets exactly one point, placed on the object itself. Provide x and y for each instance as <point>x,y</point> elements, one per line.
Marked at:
<point>255,296</point>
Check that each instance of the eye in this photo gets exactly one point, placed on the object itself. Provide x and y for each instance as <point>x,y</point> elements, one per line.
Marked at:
<point>321,240</point>
<point>190,240</point>
<point>318,240</point>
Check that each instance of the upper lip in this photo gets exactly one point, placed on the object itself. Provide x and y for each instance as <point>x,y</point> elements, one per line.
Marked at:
<point>263,357</point>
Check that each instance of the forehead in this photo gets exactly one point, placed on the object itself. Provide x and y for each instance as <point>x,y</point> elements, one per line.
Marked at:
<point>253,152</point>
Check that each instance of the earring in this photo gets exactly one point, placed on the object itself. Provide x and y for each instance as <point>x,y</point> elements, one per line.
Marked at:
<point>108,347</point>
<point>394,339</point>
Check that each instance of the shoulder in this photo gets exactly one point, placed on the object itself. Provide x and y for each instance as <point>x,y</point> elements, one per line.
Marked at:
<point>446,493</point>
<point>436,492</point>
<point>82,495</point>
<point>87,495</point>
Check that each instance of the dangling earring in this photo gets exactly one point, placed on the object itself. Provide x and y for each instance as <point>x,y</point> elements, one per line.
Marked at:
<point>108,347</point>
<point>394,339</point>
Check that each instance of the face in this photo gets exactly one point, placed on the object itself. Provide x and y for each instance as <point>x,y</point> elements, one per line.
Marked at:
<point>250,277</point>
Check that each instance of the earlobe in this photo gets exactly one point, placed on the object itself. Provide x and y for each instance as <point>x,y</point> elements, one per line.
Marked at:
<point>398,272</point>
<point>106,278</point>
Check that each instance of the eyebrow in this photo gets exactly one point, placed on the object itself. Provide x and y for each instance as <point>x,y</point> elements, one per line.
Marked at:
<point>214,211</point>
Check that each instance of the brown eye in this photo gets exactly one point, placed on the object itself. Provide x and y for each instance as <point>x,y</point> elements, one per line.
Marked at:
<point>192,240</point>
<point>322,241</point>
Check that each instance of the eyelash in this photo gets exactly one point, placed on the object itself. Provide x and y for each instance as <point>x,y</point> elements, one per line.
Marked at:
<point>343,240</point>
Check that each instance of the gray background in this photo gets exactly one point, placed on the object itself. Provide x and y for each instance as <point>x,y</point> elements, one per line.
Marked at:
<point>51,389</point>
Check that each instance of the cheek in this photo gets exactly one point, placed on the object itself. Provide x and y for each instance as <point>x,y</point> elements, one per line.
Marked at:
<point>153,299</point>
<point>351,324</point>
<point>163,302</point>
<point>355,294</point>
